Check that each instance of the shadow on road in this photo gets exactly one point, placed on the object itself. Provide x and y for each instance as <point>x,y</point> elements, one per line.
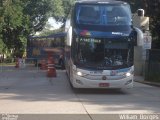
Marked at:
<point>101,91</point>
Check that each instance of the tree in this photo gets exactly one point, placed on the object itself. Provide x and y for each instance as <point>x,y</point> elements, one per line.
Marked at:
<point>153,11</point>
<point>21,18</point>
<point>67,4</point>
<point>57,9</point>
<point>38,12</point>
<point>61,9</point>
<point>13,25</point>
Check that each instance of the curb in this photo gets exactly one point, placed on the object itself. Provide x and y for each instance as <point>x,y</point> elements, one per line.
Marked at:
<point>149,83</point>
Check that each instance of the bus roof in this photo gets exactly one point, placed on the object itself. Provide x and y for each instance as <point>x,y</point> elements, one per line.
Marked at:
<point>100,2</point>
<point>55,35</point>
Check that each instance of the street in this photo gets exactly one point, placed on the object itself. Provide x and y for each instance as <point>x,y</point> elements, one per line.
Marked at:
<point>31,92</point>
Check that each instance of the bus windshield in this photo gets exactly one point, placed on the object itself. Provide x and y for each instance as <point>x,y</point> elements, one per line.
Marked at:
<point>103,14</point>
<point>103,53</point>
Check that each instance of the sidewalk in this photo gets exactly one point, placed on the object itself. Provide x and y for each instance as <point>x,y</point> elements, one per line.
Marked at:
<point>140,79</point>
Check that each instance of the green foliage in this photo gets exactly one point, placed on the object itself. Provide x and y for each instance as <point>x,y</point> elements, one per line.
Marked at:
<point>67,4</point>
<point>37,12</point>
<point>13,14</point>
<point>57,9</point>
<point>19,19</point>
<point>12,23</point>
<point>60,9</point>
<point>1,46</point>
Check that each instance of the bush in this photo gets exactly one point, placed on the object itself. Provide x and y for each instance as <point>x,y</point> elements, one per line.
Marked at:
<point>9,60</point>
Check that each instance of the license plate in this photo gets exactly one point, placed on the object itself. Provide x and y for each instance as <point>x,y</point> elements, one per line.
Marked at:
<point>103,84</point>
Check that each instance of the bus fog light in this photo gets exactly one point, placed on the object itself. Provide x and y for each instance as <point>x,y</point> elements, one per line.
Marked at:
<point>128,82</point>
<point>128,74</point>
<point>79,82</point>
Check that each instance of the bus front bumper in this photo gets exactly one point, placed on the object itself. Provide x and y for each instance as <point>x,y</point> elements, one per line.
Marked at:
<point>81,82</point>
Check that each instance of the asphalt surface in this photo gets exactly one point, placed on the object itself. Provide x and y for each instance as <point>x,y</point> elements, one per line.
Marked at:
<point>29,91</point>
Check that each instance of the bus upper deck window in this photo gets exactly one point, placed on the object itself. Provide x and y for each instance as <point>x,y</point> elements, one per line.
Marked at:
<point>117,15</point>
<point>89,15</point>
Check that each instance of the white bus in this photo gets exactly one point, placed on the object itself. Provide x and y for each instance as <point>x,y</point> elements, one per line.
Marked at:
<point>99,46</point>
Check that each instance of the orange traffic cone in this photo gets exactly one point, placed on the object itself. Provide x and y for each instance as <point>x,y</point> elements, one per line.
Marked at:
<point>51,68</point>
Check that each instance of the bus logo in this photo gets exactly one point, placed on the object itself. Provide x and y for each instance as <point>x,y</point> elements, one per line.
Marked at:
<point>85,33</point>
<point>104,78</point>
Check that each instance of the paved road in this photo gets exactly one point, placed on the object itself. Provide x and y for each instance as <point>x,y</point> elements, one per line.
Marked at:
<point>31,92</point>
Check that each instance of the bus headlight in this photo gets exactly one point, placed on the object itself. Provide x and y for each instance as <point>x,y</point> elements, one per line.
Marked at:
<point>80,74</point>
<point>128,74</point>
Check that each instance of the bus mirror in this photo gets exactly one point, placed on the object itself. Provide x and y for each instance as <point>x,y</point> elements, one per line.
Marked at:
<point>140,12</point>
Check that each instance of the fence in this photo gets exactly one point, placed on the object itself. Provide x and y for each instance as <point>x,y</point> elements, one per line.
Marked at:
<point>13,64</point>
<point>152,65</point>
<point>27,64</point>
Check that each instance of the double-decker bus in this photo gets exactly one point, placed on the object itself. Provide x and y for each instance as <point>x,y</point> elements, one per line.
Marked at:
<point>37,47</point>
<point>99,46</point>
